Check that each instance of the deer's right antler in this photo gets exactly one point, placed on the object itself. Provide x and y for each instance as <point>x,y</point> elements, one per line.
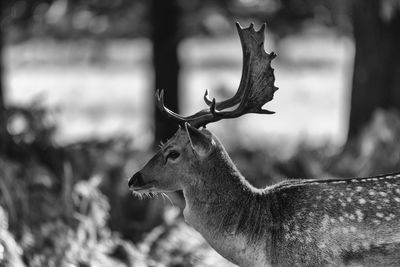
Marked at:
<point>255,89</point>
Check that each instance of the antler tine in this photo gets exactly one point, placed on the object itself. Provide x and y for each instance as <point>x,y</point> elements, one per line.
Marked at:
<point>161,106</point>
<point>206,99</point>
<point>255,89</point>
<point>177,117</point>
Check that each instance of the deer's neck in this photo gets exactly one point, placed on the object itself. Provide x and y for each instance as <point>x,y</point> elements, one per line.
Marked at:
<point>231,215</point>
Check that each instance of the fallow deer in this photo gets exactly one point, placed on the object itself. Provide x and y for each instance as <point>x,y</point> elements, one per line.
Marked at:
<point>341,222</point>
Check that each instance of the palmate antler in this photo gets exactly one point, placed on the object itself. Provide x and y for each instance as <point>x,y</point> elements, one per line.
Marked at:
<point>255,89</point>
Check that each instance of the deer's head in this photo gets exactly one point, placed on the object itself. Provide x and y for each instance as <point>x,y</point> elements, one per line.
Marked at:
<point>180,160</point>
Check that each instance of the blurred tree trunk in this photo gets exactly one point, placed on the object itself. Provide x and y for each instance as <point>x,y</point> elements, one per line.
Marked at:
<point>164,20</point>
<point>376,77</point>
<point>165,15</point>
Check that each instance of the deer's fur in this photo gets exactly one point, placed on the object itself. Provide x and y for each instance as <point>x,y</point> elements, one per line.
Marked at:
<point>353,222</point>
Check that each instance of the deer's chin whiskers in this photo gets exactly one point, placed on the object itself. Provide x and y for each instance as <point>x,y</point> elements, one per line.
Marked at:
<point>144,194</point>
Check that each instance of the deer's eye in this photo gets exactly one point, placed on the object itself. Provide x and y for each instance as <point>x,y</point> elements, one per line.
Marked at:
<point>173,155</point>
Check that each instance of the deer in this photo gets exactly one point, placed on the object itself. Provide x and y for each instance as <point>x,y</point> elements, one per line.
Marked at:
<point>297,222</point>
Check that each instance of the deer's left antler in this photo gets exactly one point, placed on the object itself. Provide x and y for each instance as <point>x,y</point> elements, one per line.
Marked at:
<point>255,89</point>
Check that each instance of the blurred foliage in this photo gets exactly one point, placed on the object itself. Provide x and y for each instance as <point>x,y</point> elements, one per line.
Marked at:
<point>63,19</point>
<point>82,214</point>
<point>71,19</point>
<point>10,251</point>
<point>58,218</point>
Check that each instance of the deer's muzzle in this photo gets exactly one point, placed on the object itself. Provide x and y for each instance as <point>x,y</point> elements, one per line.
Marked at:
<point>136,181</point>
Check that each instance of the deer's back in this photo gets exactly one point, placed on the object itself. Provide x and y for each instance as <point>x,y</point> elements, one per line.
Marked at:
<point>337,222</point>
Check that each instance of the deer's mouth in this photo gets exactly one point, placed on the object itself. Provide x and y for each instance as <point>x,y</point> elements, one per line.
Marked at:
<point>147,187</point>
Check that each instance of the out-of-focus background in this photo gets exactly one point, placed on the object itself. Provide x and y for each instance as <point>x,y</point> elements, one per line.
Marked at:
<point>77,114</point>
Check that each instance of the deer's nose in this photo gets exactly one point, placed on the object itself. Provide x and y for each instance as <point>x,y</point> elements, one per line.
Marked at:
<point>136,180</point>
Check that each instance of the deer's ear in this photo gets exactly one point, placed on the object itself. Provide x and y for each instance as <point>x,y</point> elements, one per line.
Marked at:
<point>201,143</point>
